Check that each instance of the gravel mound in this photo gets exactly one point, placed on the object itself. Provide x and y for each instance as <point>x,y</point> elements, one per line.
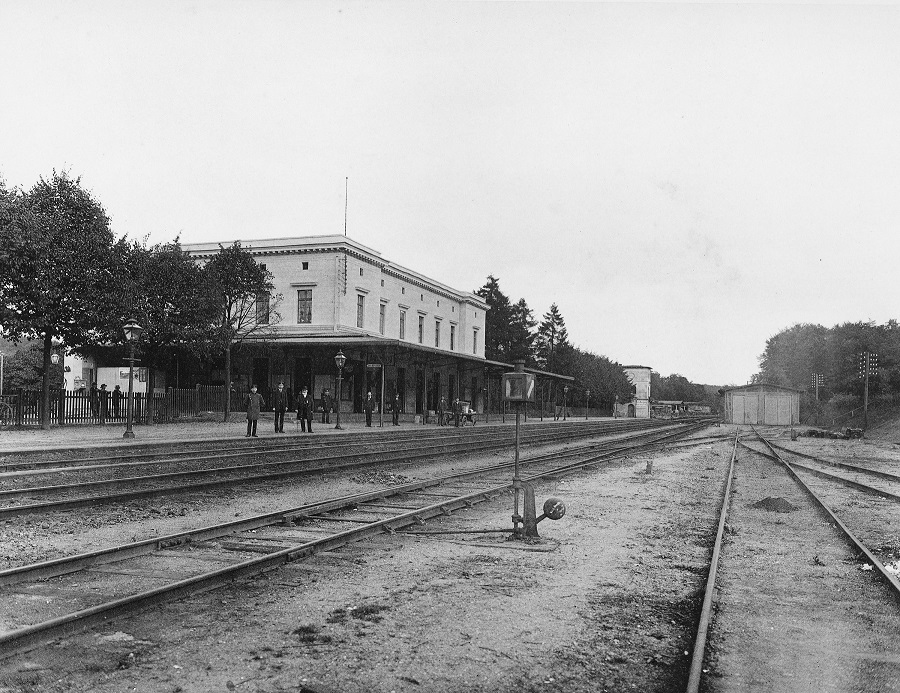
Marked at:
<point>774,505</point>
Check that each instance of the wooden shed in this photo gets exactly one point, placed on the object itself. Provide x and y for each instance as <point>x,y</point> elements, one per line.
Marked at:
<point>762,404</point>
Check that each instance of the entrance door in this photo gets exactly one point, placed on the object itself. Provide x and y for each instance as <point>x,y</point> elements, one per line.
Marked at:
<point>261,376</point>
<point>401,387</point>
<point>302,375</point>
<point>420,392</point>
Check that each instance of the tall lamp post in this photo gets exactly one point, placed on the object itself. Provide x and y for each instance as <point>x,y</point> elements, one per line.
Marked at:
<point>587,402</point>
<point>339,361</point>
<point>132,334</point>
<point>565,395</point>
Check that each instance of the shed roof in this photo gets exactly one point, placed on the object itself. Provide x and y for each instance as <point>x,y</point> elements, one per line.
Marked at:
<point>768,386</point>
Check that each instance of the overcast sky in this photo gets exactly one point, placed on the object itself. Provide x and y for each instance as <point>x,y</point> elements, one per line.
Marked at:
<point>682,180</point>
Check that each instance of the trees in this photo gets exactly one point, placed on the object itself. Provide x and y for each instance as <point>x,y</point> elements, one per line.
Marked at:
<point>241,293</point>
<point>509,327</point>
<point>552,339</point>
<point>59,262</point>
<point>169,297</point>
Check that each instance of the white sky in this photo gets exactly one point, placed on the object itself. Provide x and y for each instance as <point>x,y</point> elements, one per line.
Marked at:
<point>683,180</point>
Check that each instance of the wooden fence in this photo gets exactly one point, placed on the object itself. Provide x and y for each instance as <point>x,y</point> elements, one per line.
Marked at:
<point>74,408</point>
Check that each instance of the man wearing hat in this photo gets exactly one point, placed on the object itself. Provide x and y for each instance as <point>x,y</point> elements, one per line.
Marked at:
<point>305,410</point>
<point>279,406</point>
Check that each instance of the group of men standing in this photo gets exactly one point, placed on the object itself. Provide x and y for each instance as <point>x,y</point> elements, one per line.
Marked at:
<point>281,403</point>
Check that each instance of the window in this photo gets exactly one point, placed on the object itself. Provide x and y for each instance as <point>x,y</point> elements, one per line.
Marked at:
<point>360,271</point>
<point>452,337</point>
<point>421,329</point>
<point>402,289</point>
<point>437,333</point>
<point>421,297</point>
<point>381,311</point>
<point>306,265</point>
<point>402,324</point>
<point>439,304</point>
<point>360,309</point>
<point>262,309</point>
<point>475,341</point>
<point>304,305</point>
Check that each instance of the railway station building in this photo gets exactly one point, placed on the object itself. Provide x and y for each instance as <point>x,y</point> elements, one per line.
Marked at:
<point>761,403</point>
<point>401,332</point>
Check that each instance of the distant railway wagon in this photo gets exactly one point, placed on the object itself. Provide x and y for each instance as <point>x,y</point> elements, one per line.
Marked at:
<point>760,403</point>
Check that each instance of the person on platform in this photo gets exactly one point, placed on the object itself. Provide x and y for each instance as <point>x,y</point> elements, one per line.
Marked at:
<point>395,414</point>
<point>305,410</point>
<point>254,403</point>
<point>117,401</point>
<point>442,407</point>
<point>104,403</point>
<point>456,411</point>
<point>279,406</point>
<point>94,396</point>
<point>369,407</point>
<point>327,406</point>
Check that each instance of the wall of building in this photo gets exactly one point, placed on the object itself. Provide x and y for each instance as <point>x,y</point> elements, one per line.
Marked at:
<point>762,405</point>
<point>340,271</point>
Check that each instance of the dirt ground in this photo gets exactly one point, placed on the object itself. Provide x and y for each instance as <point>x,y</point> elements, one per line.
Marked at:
<point>605,602</point>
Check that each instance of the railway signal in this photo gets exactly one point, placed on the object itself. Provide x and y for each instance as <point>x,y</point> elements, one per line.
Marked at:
<point>868,366</point>
<point>518,388</point>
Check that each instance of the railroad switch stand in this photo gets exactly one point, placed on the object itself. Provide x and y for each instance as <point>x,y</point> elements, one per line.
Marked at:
<point>554,509</point>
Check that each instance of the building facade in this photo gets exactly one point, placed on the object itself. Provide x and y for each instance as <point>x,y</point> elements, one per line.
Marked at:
<point>401,332</point>
<point>762,404</point>
<point>639,406</point>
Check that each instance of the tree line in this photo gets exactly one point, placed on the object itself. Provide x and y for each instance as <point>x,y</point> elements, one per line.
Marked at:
<point>795,354</point>
<point>66,278</point>
<point>513,333</point>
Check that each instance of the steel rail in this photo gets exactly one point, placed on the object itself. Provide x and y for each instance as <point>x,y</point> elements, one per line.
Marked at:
<point>840,465</point>
<point>872,490</point>
<point>68,564</point>
<point>73,503</point>
<point>262,446</point>
<point>854,540</point>
<point>696,669</point>
<point>29,636</point>
<point>445,442</point>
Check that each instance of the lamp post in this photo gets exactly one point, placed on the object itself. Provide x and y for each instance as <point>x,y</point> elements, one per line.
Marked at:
<point>2,356</point>
<point>587,402</point>
<point>132,334</point>
<point>339,361</point>
<point>565,395</point>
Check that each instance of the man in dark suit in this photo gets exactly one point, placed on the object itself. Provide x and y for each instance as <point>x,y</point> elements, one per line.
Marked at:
<point>305,410</point>
<point>369,407</point>
<point>395,414</point>
<point>327,404</point>
<point>279,406</point>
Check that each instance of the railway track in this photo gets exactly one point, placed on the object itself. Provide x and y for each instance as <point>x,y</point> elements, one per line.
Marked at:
<point>47,600</point>
<point>845,537</point>
<point>18,498</point>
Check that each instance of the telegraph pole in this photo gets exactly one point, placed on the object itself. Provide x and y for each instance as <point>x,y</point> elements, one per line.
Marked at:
<point>868,363</point>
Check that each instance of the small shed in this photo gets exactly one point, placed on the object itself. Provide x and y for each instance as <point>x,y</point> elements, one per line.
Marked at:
<point>761,403</point>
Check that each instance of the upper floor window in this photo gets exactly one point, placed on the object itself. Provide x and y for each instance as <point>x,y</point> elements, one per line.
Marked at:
<point>262,309</point>
<point>402,324</point>
<point>421,329</point>
<point>475,341</point>
<point>381,312</point>
<point>360,309</point>
<point>306,265</point>
<point>437,333</point>
<point>304,305</point>
<point>452,337</point>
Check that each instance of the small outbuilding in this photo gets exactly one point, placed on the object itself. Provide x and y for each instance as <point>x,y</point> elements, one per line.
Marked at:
<point>761,403</point>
